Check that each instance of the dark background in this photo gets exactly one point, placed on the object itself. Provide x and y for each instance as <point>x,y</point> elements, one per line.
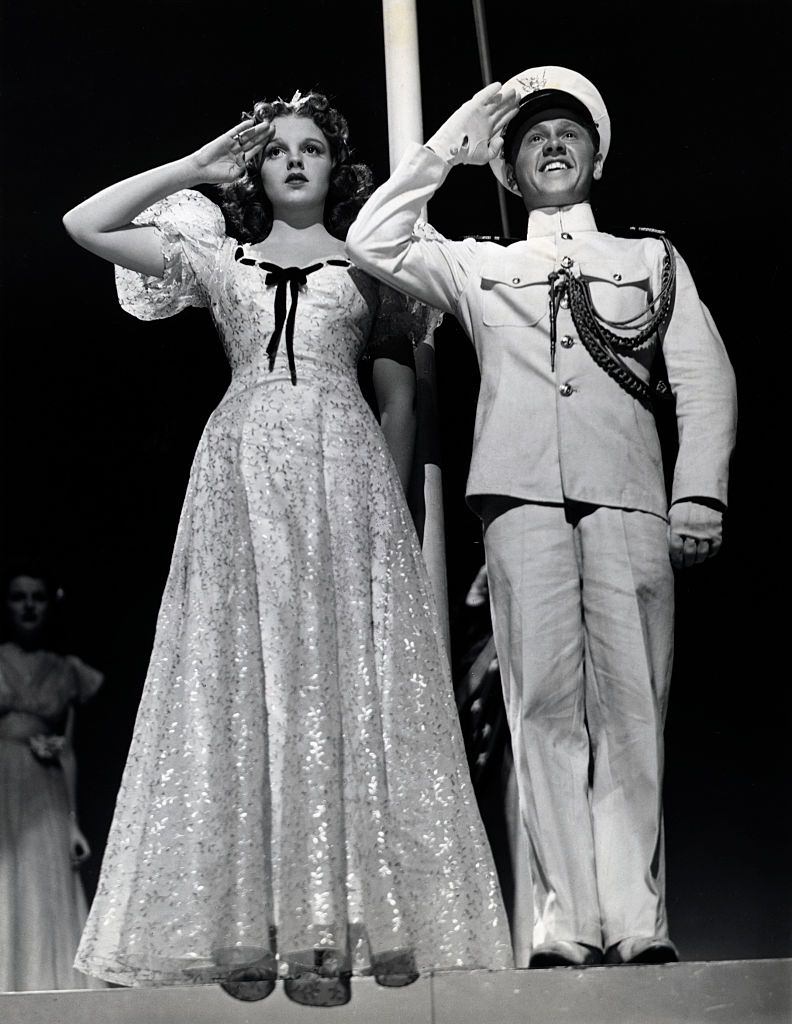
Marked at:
<point>102,413</point>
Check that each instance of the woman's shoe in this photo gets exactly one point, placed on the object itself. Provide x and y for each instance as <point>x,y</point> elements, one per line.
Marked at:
<point>253,982</point>
<point>327,983</point>
<point>395,969</point>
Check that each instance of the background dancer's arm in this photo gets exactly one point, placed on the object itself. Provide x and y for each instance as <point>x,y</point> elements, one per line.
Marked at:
<point>103,223</point>
<point>79,848</point>
<point>394,386</point>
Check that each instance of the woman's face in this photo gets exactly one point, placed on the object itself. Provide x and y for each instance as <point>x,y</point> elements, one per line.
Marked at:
<point>296,165</point>
<point>27,605</point>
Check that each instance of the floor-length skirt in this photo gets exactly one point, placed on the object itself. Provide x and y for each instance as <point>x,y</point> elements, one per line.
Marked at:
<point>42,904</point>
<point>297,778</point>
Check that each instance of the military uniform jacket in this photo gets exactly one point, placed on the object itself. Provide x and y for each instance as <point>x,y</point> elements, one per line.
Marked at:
<point>570,433</point>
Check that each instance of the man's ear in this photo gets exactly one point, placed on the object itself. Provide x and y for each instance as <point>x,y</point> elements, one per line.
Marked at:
<point>510,177</point>
<point>598,162</point>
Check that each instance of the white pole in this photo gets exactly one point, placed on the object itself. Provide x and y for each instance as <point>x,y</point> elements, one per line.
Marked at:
<point>405,124</point>
<point>402,76</point>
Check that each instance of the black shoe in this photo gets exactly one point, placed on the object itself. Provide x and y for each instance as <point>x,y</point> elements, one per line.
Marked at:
<point>641,951</point>
<point>394,969</point>
<point>250,984</point>
<point>326,983</point>
<point>565,954</point>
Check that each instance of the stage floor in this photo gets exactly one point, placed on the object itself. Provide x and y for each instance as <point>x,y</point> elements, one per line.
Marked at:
<point>725,992</point>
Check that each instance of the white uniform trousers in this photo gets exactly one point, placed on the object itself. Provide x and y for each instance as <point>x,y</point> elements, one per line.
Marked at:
<point>582,605</point>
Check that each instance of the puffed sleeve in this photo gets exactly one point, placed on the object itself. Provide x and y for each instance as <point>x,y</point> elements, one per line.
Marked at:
<point>192,230</point>
<point>401,324</point>
<point>87,680</point>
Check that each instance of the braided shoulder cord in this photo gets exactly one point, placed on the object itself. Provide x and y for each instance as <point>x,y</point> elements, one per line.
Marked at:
<point>657,312</point>
<point>602,344</point>
<point>616,368</point>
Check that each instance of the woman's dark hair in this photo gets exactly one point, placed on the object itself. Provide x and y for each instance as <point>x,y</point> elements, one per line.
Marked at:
<point>248,211</point>
<point>35,570</point>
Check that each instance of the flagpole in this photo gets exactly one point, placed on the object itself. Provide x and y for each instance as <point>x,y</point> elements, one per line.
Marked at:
<point>405,125</point>
<point>486,77</point>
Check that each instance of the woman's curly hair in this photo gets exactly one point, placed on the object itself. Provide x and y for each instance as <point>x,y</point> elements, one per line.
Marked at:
<point>248,211</point>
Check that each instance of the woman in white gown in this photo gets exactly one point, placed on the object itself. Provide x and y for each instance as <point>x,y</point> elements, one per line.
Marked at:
<point>296,801</point>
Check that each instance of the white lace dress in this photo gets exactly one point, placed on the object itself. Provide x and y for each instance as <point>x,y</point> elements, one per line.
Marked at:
<point>297,778</point>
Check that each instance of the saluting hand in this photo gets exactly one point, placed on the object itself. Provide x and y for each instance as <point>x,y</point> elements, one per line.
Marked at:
<point>222,161</point>
<point>472,134</point>
<point>694,533</point>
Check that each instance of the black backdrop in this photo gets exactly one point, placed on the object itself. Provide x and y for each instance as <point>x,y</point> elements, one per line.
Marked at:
<point>102,413</point>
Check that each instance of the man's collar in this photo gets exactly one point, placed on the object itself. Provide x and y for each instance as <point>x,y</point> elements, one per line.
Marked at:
<point>553,220</point>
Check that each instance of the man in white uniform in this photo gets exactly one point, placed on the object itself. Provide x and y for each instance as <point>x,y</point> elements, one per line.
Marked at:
<point>566,475</point>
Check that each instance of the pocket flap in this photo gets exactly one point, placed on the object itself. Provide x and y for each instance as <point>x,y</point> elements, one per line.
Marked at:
<point>512,272</point>
<point>618,272</point>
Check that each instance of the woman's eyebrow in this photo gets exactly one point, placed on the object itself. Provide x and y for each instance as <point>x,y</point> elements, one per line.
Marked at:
<point>279,141</point>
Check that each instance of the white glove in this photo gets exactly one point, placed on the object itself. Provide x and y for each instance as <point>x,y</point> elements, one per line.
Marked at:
<point>472,134</point>
<point>694,533</point>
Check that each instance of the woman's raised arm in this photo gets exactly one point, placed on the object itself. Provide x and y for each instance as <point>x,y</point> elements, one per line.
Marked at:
<point>103,223</point>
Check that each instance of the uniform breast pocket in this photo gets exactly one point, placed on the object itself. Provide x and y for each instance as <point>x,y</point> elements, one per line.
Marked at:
<point>512,295</point>
<point>619,292</point>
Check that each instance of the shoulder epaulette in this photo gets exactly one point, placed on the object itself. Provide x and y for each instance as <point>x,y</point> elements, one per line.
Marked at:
<point>498,239</point>
<point>635,232</point>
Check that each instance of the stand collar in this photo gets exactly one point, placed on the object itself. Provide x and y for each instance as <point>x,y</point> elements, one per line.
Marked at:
<point>553,220</point>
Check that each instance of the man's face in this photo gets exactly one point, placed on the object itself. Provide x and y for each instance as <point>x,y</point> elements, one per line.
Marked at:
<point>555,164</point>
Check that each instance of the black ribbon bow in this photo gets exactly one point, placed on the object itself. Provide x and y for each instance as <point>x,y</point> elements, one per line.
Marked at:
<point>295,278</point>
<point>280,277</point>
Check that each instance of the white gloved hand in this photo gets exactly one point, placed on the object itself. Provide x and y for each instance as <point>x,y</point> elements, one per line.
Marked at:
<point>472,134</point>
<point>694,533</point>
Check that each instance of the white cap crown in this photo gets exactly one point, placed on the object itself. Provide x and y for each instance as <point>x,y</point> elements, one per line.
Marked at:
<point>535,80</point>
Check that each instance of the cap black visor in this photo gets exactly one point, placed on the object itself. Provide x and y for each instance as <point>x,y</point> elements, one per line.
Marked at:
<point>545,105</point>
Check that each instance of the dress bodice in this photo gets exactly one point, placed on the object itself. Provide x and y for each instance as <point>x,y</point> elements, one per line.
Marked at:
<point>335,312</point>
<point>43,683</point>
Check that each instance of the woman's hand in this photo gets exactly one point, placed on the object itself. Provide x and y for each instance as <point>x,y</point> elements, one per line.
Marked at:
<point>78,845</point>
<point>222,161</point>
<point>103,223</point>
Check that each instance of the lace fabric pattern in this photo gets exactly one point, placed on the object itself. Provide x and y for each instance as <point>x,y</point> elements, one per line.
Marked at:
<point>297,781</point>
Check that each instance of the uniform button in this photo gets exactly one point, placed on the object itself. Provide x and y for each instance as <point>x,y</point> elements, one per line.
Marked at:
<point>566,235</point>
<point>617,277</point>
<point>515,280</point>
<point>567,341</point>
<point>566,390</point>
<point>567,262</point>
